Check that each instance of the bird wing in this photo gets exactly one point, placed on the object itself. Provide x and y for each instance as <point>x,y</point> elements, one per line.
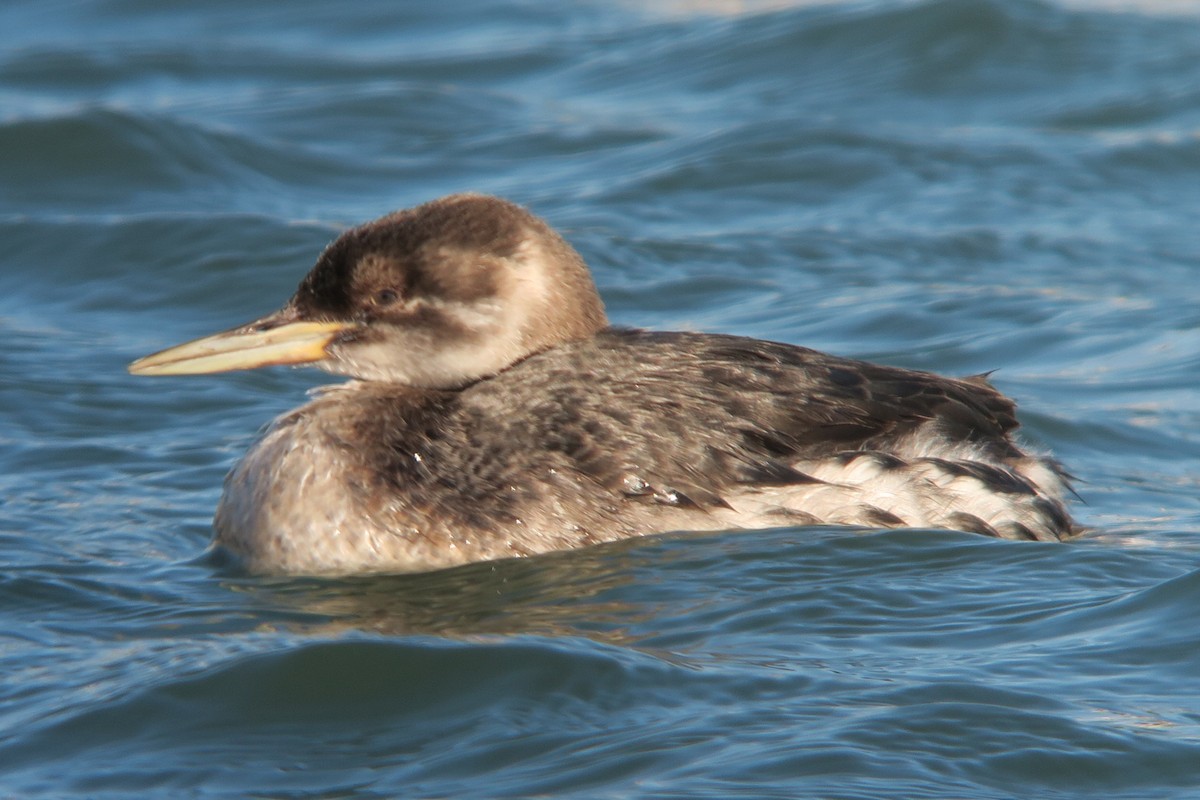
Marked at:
<point>683,418</point>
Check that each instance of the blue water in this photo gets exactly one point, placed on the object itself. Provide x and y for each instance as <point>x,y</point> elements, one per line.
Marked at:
<point>953,185</point>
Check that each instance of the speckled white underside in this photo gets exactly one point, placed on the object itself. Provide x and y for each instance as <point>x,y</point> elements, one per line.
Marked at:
<point>922,493</point>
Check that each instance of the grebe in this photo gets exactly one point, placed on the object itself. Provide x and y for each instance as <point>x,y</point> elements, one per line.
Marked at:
<point>494,413</point>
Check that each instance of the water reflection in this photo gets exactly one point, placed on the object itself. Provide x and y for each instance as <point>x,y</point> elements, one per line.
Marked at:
<point>578,593</point>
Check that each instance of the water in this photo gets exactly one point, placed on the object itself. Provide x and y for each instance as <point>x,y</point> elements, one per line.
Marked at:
<point>950,185</point>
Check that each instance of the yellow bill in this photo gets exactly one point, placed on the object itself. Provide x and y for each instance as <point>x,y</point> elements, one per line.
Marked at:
<point>244,348</point>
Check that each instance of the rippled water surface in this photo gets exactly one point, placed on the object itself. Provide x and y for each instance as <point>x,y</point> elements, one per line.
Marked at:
<point>954,185</point>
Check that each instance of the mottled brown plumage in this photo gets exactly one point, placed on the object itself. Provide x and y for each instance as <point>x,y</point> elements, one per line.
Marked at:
<point>496,415</point>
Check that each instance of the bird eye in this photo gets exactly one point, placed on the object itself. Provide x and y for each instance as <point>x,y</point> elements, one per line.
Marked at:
<point>386,297</point>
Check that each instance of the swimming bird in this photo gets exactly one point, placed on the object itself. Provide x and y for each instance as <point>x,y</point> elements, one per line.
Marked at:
<point>493,412</point>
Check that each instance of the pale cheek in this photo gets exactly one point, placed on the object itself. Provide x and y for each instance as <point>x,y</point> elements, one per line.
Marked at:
<point>417,356</point>
<point>418,361</point>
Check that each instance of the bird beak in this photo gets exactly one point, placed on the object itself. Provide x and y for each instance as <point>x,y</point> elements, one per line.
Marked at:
<point>263,343</point>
